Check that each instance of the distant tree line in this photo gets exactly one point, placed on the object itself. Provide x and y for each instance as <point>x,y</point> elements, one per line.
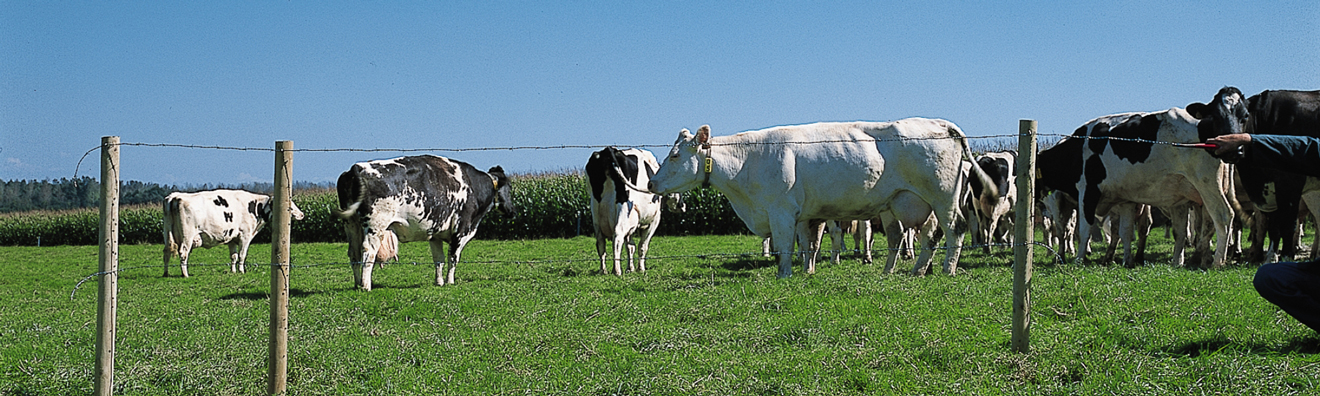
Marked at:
<point>85,192</point>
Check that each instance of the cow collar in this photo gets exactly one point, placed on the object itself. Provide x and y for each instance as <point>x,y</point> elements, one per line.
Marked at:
<point>707,163</point>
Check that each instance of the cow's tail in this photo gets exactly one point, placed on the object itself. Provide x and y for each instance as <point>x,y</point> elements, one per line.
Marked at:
<point>991,191</point>
<point>171,227</point>
<point>349,187</point>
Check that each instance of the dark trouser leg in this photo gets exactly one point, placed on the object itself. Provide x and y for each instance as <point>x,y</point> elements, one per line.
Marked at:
<point>1294,287</point>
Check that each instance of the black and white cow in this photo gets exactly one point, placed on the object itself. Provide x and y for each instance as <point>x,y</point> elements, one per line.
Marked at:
<point>779,180</point>
<point>1105,173</point>
<point>620,209</point>
<point>994,212</point>
<point>419,198</point>
<point>1269,113</point>
<point>217,217</point>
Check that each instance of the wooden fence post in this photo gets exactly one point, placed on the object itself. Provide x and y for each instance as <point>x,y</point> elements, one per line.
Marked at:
<point>277,371</point>
<point>1024,235</point>
<point>108,257</point>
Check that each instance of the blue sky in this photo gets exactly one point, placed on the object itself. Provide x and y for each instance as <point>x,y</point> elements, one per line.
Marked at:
<point>497,74</point>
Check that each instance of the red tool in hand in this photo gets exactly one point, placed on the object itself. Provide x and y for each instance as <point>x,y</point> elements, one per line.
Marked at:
<point>1197,145</point>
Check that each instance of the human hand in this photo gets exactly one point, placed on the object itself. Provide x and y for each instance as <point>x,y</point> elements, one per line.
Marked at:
<point>1229,143</point>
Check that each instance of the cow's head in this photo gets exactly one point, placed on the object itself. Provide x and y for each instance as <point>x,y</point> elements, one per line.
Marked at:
<point>674,203</point>
<point>683,169</point>
<point>264,207</point>
<point>503,191</point>
<point>1226,114</point>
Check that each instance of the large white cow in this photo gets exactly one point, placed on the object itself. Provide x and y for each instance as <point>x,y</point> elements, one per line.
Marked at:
<point>217,217</point>
<point>419,198</point>
<point>619,210</point>
<point>780,179</point>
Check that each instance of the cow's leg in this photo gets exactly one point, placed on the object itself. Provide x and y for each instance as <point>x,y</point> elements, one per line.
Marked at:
<point>1144,222</point>
<point>646,234</point>
<point>620,240</point>
<point>892,228</point>
<point>1178,222</point>
<point>765,247</point>
<point>600,251</point>
<point>242,254</point>
<point>439,258</point>
<point>170,249</point>
<point>632,252</point>
<point>783,236</point>
<point>867,243</point>
<point>974,224</point>
<point>808,233</point>
<point>363,267</point>
<point>836,239</point>
<point>185,249</point>
<point>1221,214</point>
<point>1126,227</point>
<point>926,242</point>
<point>456,251</point>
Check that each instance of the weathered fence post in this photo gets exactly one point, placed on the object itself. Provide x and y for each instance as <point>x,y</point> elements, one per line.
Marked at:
<point>277,371</point>
<point>108,257</point>
<point>1024,235</point>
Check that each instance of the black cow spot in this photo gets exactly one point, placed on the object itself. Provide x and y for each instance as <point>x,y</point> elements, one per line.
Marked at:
<point>1145,128</point>
<point>1098,145</point>
<point>220,201</point>
<point>229,217</point>
<point>1095,173</point>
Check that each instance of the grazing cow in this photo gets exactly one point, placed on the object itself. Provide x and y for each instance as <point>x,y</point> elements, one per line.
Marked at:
<point>210,218</point>
<point>1120,170</point>
<point>780,179</point>
<point>1060,214</point>
<point>992,213</point>
<point>421,198</point>
<point>1266,113</point>
<point>619,208</point>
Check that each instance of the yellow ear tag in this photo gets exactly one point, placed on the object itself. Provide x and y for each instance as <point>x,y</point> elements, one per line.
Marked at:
<point>708,164</point>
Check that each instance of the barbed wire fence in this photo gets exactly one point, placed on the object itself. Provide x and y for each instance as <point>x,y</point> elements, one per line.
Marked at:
<point>1057,259</point>
<point>1062,137</point>
<point>1027,138</point>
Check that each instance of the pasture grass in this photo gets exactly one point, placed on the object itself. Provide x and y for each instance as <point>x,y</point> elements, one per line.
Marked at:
<point>714,325</point>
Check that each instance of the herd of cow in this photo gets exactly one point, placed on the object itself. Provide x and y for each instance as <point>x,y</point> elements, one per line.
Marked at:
<point>915,179</point>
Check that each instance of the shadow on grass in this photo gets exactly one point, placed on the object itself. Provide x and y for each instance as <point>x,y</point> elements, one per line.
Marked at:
<point>252,296</point>
<point>751,264</point>
<point>1308,345</point>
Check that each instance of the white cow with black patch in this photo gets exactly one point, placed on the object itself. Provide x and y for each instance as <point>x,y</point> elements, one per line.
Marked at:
<point>991,213</point>
<point>419,198</point>
<point>619,209</point>
<point>218,217</point>
<point>779,180</point>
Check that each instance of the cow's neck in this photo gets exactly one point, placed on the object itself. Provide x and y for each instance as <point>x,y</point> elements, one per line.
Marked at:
<point>726,157</point>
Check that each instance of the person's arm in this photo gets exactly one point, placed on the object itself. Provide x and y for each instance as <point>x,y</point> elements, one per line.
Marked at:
<point>1295,154</point>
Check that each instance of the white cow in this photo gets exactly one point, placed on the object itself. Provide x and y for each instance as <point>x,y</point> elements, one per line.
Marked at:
<point>780,179</point>
<point>1173,178</point>
<point>417,198</point>
<point>620,209</point>
<point>997,212</point>
<point>210,218</point>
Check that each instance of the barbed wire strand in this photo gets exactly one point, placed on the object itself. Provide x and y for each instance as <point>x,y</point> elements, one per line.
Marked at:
<point>1058,259</point>
<point>78,167</point>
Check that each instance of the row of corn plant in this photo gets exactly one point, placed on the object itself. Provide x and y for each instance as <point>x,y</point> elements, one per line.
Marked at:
<point>549,205</point>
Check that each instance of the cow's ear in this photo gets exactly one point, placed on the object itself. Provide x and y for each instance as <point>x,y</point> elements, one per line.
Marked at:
<point>1198,110</point>
<point>703,134</point>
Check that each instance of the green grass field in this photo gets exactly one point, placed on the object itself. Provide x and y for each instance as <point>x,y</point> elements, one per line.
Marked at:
<point>713,325</point>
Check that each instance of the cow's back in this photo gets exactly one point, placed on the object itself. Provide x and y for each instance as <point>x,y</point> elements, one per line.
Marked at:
<point>422,195</point>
